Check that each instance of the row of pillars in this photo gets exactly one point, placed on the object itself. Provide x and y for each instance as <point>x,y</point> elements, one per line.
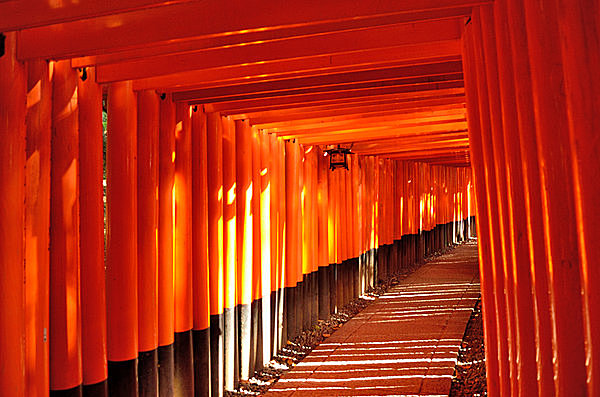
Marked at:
<point>533,96</point>
<point>221,242</point>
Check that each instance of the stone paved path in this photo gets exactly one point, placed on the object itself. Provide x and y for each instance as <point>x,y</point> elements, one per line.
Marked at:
<point>404,344</point>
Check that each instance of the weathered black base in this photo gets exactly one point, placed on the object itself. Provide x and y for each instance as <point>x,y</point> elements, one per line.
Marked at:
<point>148,373</point>
<point>201,341</point>
<point>123,378</point>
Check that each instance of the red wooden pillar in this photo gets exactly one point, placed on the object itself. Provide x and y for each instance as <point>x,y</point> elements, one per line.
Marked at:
<point>339,236</point>
<point>491,77</point>
<point>37,224</point>
<point>558,206</point>
<point>229,251</point>
<point>532,191</point>
<point>166,306</point>
<point>279,202</point>
<point>298,186</point>
<point>93,282</point>
<point>323,237</point>
<point>505,341</point>
<point>266,308</point>
<point>148,125</point>
<point>274,173</point>
<point>65,316</point>
<point>483,226</point>
<point>291,240</point>
<point>579,26</point>
<point>13,91</point>
<point>214,181</point>
<point>523,297</point>
<point>182,268</point>
<point>121,266</point>
<point>200,271</point>
<point>244,227</point>
<point>255,313</point>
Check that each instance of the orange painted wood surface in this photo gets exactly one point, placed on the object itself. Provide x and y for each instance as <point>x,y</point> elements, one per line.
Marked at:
<point>166,221</point>
<point>121,267</point>
<point>91,227</point>
<point>37,224</point>
<point>13,100</point>
<point>65,287</point>
<point>148,127</point>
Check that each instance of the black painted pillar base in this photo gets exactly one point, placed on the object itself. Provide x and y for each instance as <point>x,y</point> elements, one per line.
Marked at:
<point>340,285</point>
<point>323,313</point>
<point>280,320</point>
<point>305,308</point>
<point>201,341</point>
<point>73,392</point>
<point>244,340</point>
<point>356,277</point>
<point>216,334</point>
<point>123,378</point>
<point>314,293</point>
<point>290,306</point>
<point>99,389</point>
<point>148,373</point>
<point>332,269</point>
<point>230,349</point>
<point>166,374</point>
<point>184,367</point>
<point>256,357</point>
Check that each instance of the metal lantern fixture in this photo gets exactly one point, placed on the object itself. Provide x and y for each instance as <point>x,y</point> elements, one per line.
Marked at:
<point>338,157</point>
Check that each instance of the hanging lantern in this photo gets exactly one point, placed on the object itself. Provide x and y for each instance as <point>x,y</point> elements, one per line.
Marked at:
<point>338,157</point>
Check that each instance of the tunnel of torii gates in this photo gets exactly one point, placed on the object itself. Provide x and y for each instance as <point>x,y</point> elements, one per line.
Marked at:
<point>227,233</point>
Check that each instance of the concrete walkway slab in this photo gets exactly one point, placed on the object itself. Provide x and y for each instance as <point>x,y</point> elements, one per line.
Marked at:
<point>404,344</point>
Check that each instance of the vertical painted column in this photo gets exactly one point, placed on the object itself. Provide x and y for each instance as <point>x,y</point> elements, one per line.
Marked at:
<point>166,305</point>
<point>405,219</point>
<point>291,240</point>
<point>314,235</point>
<point>339,236</point>
<point>121,264</point>
<point>229,252</point>
<point>522,296</point>
<point>281,204</point>
<point>200,262</point>
<point>382,259</point>
<point>533,191</point>
<point>266,254</point>
<point>558,206</point>
<point>244,225</point>
<point>323,236</point>
<point>13,100</point>
<point>37,225</point>
<point>182,268</point>
<point>351,227</point>
<point>303,303</point>
<point>483,228</point>
<point>331,236</point>
<point>256,306</point>
<point>359,225</point>
<point>65,316</point>
<point>214,180</point>
<point>504,340</point>
<point>490,57</point>
<point>148,125</point>
<point>305,235</point>
<point>274,173</point>
<point>580,41</point>
<point>91,227</point>
<point>300,291</point>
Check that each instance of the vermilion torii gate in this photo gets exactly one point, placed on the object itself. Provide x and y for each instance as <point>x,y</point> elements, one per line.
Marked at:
<point>226,234</point>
